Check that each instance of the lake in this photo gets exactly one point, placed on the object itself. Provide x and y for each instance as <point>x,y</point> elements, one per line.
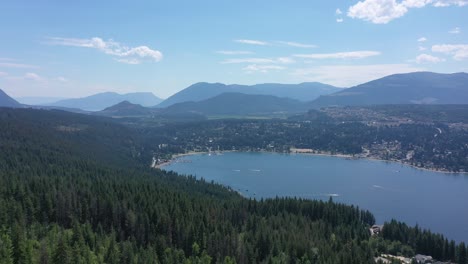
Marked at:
<point>434,200</point>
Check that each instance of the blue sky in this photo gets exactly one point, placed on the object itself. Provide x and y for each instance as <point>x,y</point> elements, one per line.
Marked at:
<point>78,48</point>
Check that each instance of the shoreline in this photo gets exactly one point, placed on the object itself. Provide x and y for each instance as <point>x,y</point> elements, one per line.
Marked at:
<point>339,155</point>
<point>348,156</point>
<point>174,157</point>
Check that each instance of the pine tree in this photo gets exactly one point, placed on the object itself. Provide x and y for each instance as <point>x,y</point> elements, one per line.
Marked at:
<point>462,253</point>
<point>6,249</point>
<point>62,252</point>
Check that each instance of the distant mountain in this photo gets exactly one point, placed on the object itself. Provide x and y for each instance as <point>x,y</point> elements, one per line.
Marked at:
<point>67,109</point>
<point>126,108</point>
<point>238,104</point>
<point>7,101</point>
<point>38,100</point>
<point>101,101</point>
<point>201,91</point>
<point>410,88</point>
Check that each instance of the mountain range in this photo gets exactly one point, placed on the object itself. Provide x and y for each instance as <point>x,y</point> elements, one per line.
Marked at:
<point>101,101</point>
<point>7,101</point>
<point>126,108</point>
<point>410,88</point>
<point>239,104</point>
<point>219,99</point>
<point>201,91</point>
<point>38,100</point>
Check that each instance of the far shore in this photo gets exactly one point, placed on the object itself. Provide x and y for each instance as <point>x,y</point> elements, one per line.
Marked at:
<point>303,152</point>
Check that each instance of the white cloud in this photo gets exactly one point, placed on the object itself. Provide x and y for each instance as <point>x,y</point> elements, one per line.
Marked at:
<point>421,48</point>
<point>12,63</point>
<point>297,44</point>
<point>280,60</point>
<point>132,61</point>
<point>455,31</point>
<point>234,52</point>
<point>459,52</point>
<point>426,58</point>
<point>350,75</point>
<point>17,65</point>
<point>416,3</point>
<point>285,60</point>
<point>422,39</point>
<point>135,55</point>
<point>33,76</point>
<point>61,79</point>
<point>384,11</point>
<point>340,55</point>
<point>444,3</point>
<point>338,12</point>
<point>248,60</point>
<point>377,11</point>
<point>252,42</point>
<point>262,68</point>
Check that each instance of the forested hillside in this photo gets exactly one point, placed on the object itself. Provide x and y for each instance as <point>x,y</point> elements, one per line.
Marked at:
<point>77,189</point>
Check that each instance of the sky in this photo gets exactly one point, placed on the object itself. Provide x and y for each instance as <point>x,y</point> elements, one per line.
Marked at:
<point>78,48</point>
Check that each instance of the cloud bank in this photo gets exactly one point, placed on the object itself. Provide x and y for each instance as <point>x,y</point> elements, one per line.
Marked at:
<point>384,11</point>
<point>340,55</point>
<point>459,51</point>
<point>122,53</point>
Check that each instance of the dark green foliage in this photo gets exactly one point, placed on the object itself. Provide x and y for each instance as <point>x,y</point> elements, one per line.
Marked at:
<point>426,113</point>
<point>73,189</point>
<point>424,242</point>
<point>462,257</point>
<point>443,151</point>
<point>64,201</point>
<point>6,249</point>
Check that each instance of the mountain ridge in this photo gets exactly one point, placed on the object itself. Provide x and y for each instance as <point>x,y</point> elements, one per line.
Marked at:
<point>126,108</point>
<point>306,91</point>
<point>239,104</point>
<point>8,101</point>
<point>407,88</point>
<point>101,101</point>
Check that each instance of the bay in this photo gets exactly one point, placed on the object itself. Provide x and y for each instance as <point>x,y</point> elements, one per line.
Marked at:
<point>434,200</point>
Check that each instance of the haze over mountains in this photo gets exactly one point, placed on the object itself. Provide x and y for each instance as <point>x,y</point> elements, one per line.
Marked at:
<point>411,88</point>
<point>201,91</point>
<point>126,108</point>
<point>240,104</point>
<point>101,101</point>
<point>212,99</point>
<point>38,100</point>
<point>7,101</point>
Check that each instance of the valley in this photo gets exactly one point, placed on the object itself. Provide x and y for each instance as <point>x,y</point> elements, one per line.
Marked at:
<point>234,132</point>
<point>100,187</point>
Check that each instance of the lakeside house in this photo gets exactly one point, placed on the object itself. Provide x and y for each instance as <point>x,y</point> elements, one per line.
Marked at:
<point>376,229</point>
<point>423,258</point>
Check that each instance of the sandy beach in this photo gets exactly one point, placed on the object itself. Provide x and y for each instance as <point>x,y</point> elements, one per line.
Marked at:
<point>306,152</point>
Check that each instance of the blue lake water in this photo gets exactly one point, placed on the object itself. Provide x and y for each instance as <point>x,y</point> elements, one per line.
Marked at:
<point>438,201</point>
